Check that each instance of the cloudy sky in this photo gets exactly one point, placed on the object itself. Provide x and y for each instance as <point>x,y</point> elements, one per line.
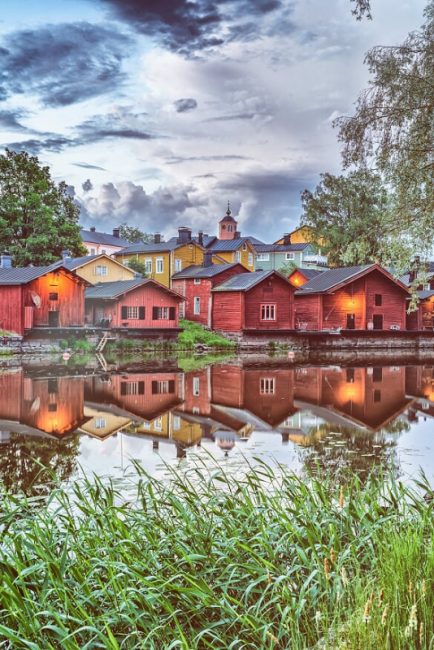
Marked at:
<point>157,112</point>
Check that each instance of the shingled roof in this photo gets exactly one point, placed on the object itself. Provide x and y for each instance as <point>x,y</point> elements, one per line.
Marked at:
<point>333,278</point>
<point>197,271</point>
<point>246,281</point>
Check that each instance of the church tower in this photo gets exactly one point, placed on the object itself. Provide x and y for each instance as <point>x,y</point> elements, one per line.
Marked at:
<point>228,226</point>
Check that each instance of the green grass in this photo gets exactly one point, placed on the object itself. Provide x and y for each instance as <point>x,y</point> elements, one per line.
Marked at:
<point>210,561</point>
<point>195,334</point>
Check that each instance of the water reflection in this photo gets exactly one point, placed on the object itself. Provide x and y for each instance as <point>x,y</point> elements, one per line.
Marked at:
<point>330,418</point>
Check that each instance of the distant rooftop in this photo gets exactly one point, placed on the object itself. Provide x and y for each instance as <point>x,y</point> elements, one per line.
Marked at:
<point>196,271</point>
<point>95,237</point>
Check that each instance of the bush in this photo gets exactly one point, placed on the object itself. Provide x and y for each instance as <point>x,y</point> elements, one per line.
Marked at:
<point>195,334</point>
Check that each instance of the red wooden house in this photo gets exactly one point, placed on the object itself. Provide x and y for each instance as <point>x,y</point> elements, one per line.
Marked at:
<point>34,297</point>
<point>139,304</point>
<point>354,298</point>
<point>299,277</point>
<point>258,301</point>
<point>195,283</point>
<point>422,318</point>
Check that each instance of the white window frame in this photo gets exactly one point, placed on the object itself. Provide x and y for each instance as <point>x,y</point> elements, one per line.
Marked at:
<point>250,259</point>
<point>93,251</point>
<point>196,281</point>
<point>132,312</point>
<point>100,423</point>
<point>263,257</point>
<point>103,251</point>
<point>238,256</point>
<point>176,423</point>
<point>289,257</point>
<point>196,386</point>
<point>196,305</point>
<point>268,311</point>
<point>101,269</point>
<point>178,265</point>
<point>159,265</point>
<point>426,287</point>
<point>158,424</point>
<point>267,385</point>
<point>148,265</point>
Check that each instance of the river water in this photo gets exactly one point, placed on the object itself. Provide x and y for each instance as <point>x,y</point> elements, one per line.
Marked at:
<point>338,419</point>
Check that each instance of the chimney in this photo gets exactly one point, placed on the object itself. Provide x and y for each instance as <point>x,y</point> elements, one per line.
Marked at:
<point>92,229</point>
<point>207,258</point>
<point>5,261</point>
<point>286,239</point>
<point>157,238</point>
<point>184,235</point>
<point>237,234</point>
<point>66,255</point>
<point>116,233</point>
<point>200,238</point>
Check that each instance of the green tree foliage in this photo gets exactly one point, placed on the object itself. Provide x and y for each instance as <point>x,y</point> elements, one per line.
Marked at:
<point>352,215</point>
<point>392,129</point>
<point>134,235</point>
<point>138,267</point>
<point>38,219</point>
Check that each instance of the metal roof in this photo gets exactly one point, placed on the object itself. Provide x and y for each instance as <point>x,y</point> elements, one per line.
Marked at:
<point>94,237</point>
<point>327,280</point>
<point>246,281</point>
<point>16,276</point>
<point>230,244</point>
<point>111,290</point>
<point>310,273</point>
<point>75,262</point>
<point>280,248</point>
<point>162,247</point>
<point>425,294</point>
<point>197,271</point>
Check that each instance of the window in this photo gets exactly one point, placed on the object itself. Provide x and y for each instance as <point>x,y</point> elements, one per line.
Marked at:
<point>196,386</point>
<point>100,423</point>
<point>268,312</point>
<point>163,313</point>
<point>52,408</point>
<point>158,424</point>
<point>148,266</point>
<point>289,256</point>
<point>229,228</point>
<point>159,265</point>
<point>101,270</point>
<point>196,280</point>
<point>350,375</point>
<point>426,287</point>
<point>244,247</point>
<point>196,307</point>
<point>132,313</point>
<point>53,296</point>
<point>267,386</point>
<point>377,374</point>
<point>163,387</point>
<point>377,396</point>
<point>92,251</point>
<point>263,257</point>
<point>132,387</point>
<point>238,256</point>
<point>176,423</point>
<point>103,251</point>
<point>250,259</point>
<point>178,265</point>
<point>378,299</point>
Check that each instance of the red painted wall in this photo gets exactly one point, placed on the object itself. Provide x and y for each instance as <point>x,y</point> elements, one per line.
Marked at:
<point>275,291</point>
<point>228,311</point>
<point>70,302</point>
<point>11,309</point>
<point>147,296</point>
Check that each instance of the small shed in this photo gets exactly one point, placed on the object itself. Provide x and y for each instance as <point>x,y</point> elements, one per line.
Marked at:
<point>136,304</point>
<point>353,298</point>
<point>262,300</point>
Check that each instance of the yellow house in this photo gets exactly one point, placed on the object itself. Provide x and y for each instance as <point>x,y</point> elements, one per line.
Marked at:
<point>172,427</point>
<point>163,259</point>
<point>301,235</point>
<point>235,250</point>
<point>102,423</point>
<point>99,268</point>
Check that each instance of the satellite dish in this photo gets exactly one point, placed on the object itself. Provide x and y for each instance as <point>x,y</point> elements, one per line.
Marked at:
<point>36,300</point>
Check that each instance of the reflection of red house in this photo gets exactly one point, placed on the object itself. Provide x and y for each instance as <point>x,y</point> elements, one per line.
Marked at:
<point>195,284</point>
<point>368,397</point>
<point>262,300</point>
<point>53,405</point>
<point>145,395</point>
<point>358,297</point>
<point>139,303</point>
<point>49,296</point>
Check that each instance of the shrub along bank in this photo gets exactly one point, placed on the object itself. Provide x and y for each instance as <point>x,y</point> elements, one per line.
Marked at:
<point>209,561</point>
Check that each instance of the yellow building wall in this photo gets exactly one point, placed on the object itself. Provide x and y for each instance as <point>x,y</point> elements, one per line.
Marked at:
<point>187,255</point>
<point>230,257</point>
<point>302,235</point>
<point>158,427</point>
<point>115,272</point>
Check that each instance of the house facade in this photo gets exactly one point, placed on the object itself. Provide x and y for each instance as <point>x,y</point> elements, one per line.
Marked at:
<point>37,297</point>
<point>102,243</point>
<point>261,300</point>
<point>196,284</point>
<point>272,257</point>
<point>422,318</point>
<point>98,268</point>
<point>163,259</point>
<point>139,304</point>
<point>353,298</point>
<point>235,251</point>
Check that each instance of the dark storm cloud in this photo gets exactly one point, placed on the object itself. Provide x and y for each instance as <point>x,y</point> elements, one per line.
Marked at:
<point>35,146</point>
<point>231,118</point>
<point>87,185</point>
<point>185,105</point>
<point>63,63</point>
<point>10,119</point>
<point>185,26</point>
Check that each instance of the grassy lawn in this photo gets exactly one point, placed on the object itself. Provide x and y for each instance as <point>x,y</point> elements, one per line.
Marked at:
<point>208,561</point>
<point>194,334</point>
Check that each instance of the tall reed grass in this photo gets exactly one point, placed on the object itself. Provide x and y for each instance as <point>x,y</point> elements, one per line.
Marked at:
<point>208,561</point>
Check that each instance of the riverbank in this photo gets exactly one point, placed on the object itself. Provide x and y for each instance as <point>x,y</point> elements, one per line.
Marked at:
<point>204,561</point>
